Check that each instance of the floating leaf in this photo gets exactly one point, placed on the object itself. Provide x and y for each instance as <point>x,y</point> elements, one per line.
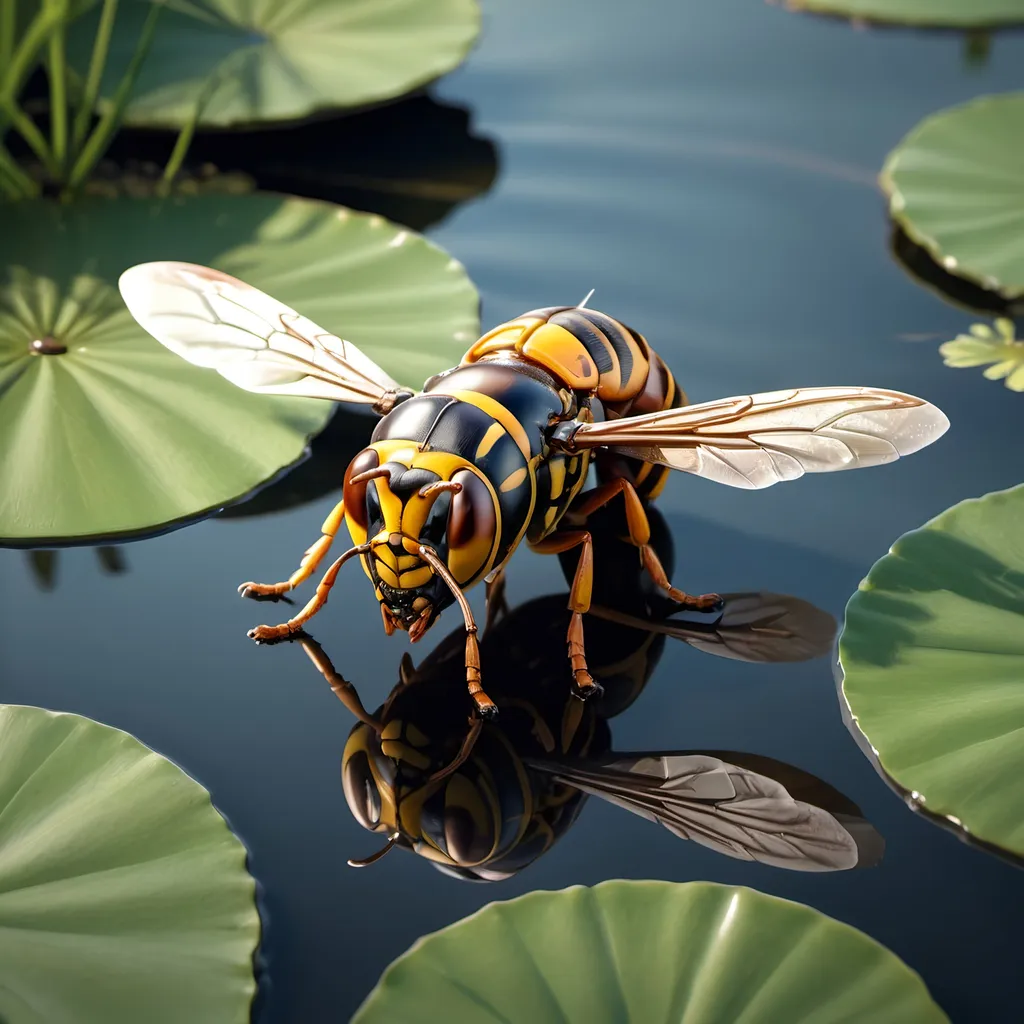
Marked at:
<point>940,13</point>
<point>956,187</point>
<point>279,61</point>
<point>983,345</point>
<point>932,662</point>
<point>124,897</point>
<point>653,952</point>
<point>117,433</point>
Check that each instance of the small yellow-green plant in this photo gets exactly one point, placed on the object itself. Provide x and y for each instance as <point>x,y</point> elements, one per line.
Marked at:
<point>984,345</point>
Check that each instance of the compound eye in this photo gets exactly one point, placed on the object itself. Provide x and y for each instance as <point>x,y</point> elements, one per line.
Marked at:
<point>472,525</point>
<point>361,790</point>
<point>355,494</point>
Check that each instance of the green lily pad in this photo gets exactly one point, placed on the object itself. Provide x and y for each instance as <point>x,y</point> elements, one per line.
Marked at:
<point>279,61</point>
<point>983,346</point>
<point>124,896</point>
<point>938,13</point>
<point>117,434</point>
<point>955,187</point>
<point>932,662</point>
<point>697,953</point>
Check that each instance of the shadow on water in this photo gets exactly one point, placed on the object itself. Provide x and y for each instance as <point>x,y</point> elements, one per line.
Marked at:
<point>412,161</point>
<point>548,751</point>
<point>43,564</point>
<point>321,473</point>
<point>918,263</point>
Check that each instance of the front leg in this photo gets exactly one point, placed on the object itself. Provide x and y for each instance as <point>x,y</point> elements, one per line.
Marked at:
<point>640,534</point>
<point>316,602</point>
<point>310,560</point>
<point>583,685</point>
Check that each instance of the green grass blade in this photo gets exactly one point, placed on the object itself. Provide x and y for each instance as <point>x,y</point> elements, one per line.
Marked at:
<point>28,130</point>
<point>8,18</point>
<point>97,62</point>
<point>12,77</point>
<point>188,129</point>
<point>58,74</point>
<point>14,182</point>
<point>98,141</point>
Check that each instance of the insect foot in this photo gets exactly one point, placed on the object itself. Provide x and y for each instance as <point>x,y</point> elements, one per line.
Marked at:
<point>251,589</point>
<point>264,633</point>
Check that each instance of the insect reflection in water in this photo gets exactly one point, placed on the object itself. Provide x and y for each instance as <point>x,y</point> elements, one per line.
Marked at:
<point>495,452</point>
<point>484,810</point>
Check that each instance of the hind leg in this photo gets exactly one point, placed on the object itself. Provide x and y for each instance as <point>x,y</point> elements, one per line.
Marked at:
<point>640,535</point>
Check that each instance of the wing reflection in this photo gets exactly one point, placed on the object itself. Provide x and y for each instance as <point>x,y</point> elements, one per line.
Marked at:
<point>484,809</point>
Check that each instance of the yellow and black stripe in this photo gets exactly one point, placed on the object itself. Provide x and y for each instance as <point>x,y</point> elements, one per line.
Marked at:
<point>594,355</point>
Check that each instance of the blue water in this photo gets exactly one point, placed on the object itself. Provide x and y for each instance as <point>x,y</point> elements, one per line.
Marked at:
<point>709,169</point>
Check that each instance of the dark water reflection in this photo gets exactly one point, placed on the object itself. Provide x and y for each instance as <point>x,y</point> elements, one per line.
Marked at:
<point>709,169</point>
<point>483,801</point>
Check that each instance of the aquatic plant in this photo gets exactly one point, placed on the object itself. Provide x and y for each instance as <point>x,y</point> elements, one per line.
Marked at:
<point>931,665</point>
<point>152,62</point>
<point>955,187</point>
<point>124,895</point>
<point>936,13</point>
<point>235,62</point>
<point>77,140</point>
<point>983,345</point>
<point>105,431</point>
<point>652,952</point>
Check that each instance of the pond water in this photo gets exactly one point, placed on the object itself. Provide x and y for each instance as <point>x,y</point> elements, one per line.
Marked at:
<point>709,169</point>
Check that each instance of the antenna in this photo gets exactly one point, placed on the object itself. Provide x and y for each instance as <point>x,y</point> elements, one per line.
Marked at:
<point>580,305</point>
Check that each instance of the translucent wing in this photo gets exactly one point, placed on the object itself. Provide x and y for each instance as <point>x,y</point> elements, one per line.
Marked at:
<point>755,627</point>
<point>723,806</point>
<point>758,440</point>
<point>260,344</point>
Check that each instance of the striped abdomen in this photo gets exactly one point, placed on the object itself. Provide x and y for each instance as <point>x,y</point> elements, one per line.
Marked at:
<point>594,354</point>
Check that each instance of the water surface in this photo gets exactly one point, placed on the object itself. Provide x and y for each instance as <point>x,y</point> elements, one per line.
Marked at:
<point>709,169</point>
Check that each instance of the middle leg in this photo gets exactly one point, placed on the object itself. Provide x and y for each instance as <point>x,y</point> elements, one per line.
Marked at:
<point>640,535</point>
<point>583,685</point>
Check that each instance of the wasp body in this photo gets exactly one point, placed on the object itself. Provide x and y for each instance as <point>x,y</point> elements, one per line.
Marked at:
<point>496,451</point>
<point>486,814</point>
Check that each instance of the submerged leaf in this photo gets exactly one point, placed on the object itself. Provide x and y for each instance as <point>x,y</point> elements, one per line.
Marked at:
<point>932,660</point>
<point>656,952</point>
<point>104,431</point>
<point>124,897</point>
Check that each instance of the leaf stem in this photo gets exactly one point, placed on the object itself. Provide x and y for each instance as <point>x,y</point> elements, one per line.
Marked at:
<point>99,140</point>
<point>58,74</point>
<point>98,61</point>
<point>15,182</point>
<point>8,23</point>
<point>12,78</point>
<point>30,133</point>
<point>188,129</point>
